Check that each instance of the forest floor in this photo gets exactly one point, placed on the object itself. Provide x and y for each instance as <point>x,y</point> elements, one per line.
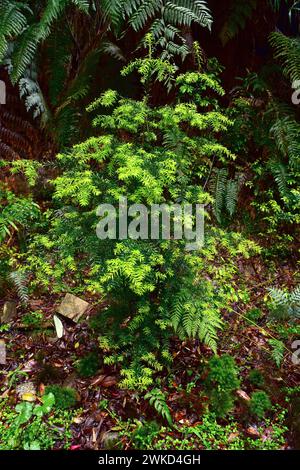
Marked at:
<point>107,416</point>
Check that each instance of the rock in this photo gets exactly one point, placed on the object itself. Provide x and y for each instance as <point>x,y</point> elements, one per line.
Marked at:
<point>110,440</point>
<point>2,352</point>
<point>9,312</point>
<point>73,307</point>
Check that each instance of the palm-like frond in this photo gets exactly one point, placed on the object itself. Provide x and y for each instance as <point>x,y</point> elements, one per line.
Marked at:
<point>287,51</point>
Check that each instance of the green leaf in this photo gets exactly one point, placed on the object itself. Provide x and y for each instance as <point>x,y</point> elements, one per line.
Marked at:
<point>25,411</point>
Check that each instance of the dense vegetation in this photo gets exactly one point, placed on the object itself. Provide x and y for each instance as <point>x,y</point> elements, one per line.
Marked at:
<point>160,102</point>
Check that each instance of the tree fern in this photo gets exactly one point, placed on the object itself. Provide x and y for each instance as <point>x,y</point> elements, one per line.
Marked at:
<point>16,24</point>
<point>24,52</point>
<point>232,191</point>
<point>191,318</point>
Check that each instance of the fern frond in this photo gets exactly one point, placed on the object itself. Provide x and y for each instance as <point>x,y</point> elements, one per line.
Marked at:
<point>157,399</point>
<point>277,352</point>
<point>239,13</point>
<point>113,50</point>
<point>218,184</point>
<point>177,309</point>
<point>207,330</point>
<point>232,190</point>
<point>279,172</point>
<point>24,52</point>
<point>144,13</point>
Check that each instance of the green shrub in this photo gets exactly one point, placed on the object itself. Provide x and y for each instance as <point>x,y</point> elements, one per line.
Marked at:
<point>65,397</point>
<point>156,288</point>
<point>260,403</point>
<point>222,380</point>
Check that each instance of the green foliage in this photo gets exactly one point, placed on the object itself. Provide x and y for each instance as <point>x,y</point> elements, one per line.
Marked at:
<point>287,51</point>
<point>221,382</point>
<point>15,215</point>
<point>152,68</point>
<point>186,320</point>
<point>277,352</point>
<point>256,378</point>
<point>34,427</point>
<point>29,168</point>
<point>16,22</point>
<point>33,319</point>
<point>253,315</point>
<point>225,192</point>
<point>260,403</point>
<point>16,212</point>
<point>238,15</point>
<point>144,435</point>
<point>29,28</point>
<point>164,20</point>
<point>213,436</point>
<point>267,130</point>
<point>65,397</point>
<point>18,280</point>
<point>27,437</point>
<point>89,365</point>
<point>157,399</point>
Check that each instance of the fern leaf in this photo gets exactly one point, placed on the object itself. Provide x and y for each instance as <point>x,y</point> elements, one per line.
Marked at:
<point>19,281</point>
<point>277,352</point>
